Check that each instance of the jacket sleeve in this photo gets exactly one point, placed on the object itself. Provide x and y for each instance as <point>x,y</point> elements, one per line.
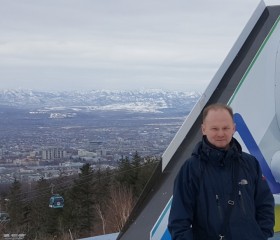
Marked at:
<point>264,203</point>
<point>181,212</point>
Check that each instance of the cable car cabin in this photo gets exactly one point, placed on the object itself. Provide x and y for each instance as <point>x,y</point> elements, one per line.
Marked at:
<point>4,217</point>
<point>56,201</point>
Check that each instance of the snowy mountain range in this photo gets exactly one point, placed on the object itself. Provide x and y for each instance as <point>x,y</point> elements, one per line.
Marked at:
<point>152,100</point>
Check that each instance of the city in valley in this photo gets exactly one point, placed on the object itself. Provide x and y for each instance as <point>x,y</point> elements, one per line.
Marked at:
<point>47,141</point>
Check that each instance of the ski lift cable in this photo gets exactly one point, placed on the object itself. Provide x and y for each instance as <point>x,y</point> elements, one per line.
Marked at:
<point>25,196</point>
<point>80,184</point>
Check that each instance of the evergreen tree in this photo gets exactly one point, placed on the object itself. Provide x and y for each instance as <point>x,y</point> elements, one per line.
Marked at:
<point>40,212</point>
<point>146,171</point>
<point>135,169</point>
<point>102,184</point>
<point>15,206</point>
<point>102,196</point>
<point>124,175</point>
<point>82,211</point>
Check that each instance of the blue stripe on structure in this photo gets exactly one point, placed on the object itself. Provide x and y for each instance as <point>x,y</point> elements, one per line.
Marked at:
<point>166,235</point>
<point>253,148</point>
<point>161,217</point>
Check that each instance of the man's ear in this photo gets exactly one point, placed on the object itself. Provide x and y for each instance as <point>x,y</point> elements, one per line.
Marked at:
<point>202,129</point>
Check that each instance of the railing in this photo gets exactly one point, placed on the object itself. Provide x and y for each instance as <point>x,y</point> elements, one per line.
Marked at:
<point>13,236</point>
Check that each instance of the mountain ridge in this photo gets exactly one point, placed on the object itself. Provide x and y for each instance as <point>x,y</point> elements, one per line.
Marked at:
<point>147,100</point>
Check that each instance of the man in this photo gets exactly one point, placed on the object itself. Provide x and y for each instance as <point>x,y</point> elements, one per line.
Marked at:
<point>220,192</point>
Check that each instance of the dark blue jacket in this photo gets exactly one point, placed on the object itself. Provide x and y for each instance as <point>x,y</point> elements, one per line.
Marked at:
<point>202,190</point>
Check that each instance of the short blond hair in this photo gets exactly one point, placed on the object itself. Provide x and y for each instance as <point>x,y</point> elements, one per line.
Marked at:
<point>216,106</point>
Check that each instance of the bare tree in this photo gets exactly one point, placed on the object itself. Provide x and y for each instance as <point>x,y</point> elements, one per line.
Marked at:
<point>102,217</point>
<point>120,206</point>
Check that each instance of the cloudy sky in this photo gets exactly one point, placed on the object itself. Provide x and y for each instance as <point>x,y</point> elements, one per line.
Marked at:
<point>117,44</point>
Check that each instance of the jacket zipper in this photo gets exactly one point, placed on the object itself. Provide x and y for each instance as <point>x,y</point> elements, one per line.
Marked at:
<point>242,202</point>
<point>219,206</point>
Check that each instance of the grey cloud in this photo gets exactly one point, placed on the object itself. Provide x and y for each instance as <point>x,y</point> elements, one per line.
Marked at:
<point>118,43</point>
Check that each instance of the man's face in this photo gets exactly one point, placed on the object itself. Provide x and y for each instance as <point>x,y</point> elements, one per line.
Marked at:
<point>218,127</point>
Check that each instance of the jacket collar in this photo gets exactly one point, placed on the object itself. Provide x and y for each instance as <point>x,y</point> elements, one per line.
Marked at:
<point>209,153</point>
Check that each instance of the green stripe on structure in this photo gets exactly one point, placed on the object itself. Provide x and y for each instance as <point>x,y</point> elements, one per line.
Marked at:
<point>254,59</point>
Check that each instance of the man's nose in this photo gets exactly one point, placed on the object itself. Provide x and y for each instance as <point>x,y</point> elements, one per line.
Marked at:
<point>220,132</point>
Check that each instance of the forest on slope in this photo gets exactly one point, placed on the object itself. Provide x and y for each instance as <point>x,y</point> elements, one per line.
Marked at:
<point>95,202</point>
